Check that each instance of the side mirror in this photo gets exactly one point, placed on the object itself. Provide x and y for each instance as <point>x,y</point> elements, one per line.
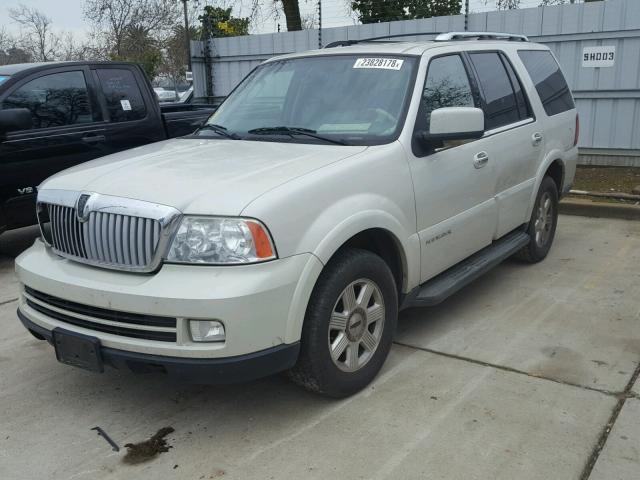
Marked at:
<point>13,119</point>
<point>454,123</point>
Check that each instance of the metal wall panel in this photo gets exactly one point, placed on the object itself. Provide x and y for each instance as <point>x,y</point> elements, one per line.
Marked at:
<point>608,99</point>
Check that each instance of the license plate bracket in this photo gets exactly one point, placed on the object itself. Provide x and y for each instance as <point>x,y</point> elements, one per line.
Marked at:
<point>78,350</point>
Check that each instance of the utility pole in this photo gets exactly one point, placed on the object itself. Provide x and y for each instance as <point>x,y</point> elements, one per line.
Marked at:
<point>186,34</point>
<point>466,15</point>
<point>319,23</point>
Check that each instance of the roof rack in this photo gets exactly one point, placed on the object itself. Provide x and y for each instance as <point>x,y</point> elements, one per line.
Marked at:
<point>441,37</point>
<point>446,37</point>
<point>346,43</point>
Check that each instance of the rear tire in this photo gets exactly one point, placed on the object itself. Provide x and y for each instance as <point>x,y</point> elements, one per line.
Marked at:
<point>349,325</point>
<point>543,222</point>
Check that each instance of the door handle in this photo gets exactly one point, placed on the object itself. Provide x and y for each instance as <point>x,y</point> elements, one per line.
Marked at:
<point>536,139</point>
<point>480,159</point>
<point>94,139</point>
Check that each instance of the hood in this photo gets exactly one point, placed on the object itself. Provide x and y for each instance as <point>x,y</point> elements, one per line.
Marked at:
<point>199,176</point>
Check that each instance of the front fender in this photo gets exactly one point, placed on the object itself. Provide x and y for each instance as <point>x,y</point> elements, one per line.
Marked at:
<point>359,221</point>
<point>331,241</point>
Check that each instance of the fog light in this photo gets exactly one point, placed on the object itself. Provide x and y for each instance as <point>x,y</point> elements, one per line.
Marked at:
<point>206,331</point>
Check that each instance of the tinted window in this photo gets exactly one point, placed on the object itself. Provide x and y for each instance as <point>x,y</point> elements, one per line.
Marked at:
<point>123,96</point>
<point>500,100</point>
<point>446,85</point>
<point>54,100</point>
<point>549,81</point>
<point>521,100</point>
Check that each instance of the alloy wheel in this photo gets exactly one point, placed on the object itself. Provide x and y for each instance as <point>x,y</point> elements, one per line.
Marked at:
<point>356,325</point>
<point>544,220</point>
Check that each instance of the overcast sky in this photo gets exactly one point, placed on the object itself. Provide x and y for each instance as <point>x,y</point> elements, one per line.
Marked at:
<point>67,14</point>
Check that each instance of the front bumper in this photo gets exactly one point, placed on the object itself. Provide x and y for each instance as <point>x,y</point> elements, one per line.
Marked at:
<point>256,303</point>
<point>241,368</point>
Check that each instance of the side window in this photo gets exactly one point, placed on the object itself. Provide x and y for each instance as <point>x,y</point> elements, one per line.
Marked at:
<point>521,99</point>
<point>122,94</point>
<point>500,100</point>
<point>446,85</point>
<point>54,100</point>
<point>549,81</point>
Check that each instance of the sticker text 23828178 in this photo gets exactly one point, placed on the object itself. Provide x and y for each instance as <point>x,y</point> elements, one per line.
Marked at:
<point>384,63</point>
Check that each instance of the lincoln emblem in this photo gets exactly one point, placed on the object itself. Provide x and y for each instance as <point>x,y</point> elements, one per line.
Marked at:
<point>82,212</point>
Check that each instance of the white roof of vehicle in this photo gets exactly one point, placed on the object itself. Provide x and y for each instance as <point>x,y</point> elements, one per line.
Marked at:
<point>408,48</point>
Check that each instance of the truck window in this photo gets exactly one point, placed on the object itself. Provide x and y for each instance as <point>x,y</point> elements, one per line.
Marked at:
<point>446,85</point>
<point>500,100</point>
<point>122,94</point>
<point>549,81</point>
<point>54,100</point>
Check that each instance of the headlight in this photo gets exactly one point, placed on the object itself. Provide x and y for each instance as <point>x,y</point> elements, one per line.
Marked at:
<point>221,241</point>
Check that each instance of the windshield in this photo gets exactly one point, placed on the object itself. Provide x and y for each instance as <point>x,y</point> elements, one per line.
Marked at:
<point>352,99</point>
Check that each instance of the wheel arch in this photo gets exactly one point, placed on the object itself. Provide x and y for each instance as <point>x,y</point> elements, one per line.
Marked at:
<point>383,239</point>
<point>556,170</point>
<point>554,166</point>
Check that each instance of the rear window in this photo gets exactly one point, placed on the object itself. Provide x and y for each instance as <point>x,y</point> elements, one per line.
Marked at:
<point>549,81</point>
<point>123,96</point>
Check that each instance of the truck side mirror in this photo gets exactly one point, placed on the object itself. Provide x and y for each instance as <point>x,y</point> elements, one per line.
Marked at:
<point>453,123</point>
<point>13,119</point>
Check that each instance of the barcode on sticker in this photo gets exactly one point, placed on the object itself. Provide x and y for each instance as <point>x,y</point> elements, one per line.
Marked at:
<point>384,63</point>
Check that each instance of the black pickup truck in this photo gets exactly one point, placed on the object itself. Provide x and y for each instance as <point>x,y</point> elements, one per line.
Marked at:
<point>56,115</point>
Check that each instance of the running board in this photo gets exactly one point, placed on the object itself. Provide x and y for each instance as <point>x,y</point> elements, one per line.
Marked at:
<point>450,281</point>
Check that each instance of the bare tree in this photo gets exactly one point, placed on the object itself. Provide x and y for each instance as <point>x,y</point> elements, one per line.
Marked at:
<point>10,50</point>
<point>37,35</point>
<point>512,4</point>
<point>309,21</point>
<point>118,17</point>
<point>507,4</point>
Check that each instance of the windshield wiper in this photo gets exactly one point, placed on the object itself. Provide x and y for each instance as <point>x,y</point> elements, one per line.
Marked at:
<point>220,130</point>
<point>293,131</point>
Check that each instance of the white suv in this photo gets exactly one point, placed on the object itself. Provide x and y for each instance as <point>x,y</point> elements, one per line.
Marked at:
<point>330,190</point>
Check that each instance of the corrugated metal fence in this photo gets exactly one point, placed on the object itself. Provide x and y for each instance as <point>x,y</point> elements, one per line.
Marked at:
<point>608,98</point>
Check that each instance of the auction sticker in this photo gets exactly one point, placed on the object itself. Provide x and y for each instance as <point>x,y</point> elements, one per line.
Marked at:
<point>126,105</point>
<point>374,62</point>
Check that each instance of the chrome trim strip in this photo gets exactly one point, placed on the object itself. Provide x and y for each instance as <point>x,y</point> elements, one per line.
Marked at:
<point>88,318</point>
<point>509,126</point>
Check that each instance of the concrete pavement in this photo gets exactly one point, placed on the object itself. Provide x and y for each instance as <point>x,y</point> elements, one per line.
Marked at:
<point>515,377</point>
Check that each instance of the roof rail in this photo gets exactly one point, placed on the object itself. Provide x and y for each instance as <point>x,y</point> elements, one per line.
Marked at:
<point>441,37</point>
<point>346,43</point>
<point>445,37</point>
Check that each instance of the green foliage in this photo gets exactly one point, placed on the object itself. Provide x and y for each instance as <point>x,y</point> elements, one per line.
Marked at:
<point>140,47</point>
<point>376,11</point>
<point>219,22</point>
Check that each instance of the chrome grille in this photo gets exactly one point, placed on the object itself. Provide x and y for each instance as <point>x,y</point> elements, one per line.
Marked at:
<point>105,237</point>
<point>111,232</point>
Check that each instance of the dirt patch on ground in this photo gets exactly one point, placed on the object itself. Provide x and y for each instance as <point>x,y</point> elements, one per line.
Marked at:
<point>607,179</point>
<point>144,451</point>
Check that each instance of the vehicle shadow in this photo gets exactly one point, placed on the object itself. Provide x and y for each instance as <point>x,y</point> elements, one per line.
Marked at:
<point>14,242</point>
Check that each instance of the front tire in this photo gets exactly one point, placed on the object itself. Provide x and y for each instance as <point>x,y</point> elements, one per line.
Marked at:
<point>543,222</point>
<point>349,325</point>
